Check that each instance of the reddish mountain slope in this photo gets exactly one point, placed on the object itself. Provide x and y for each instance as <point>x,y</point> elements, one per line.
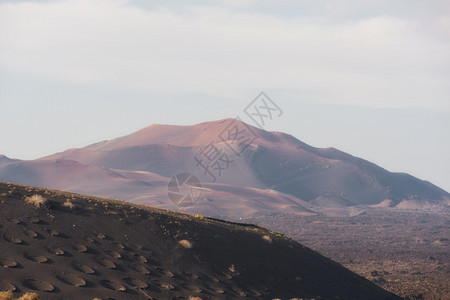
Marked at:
<point>326,177</point>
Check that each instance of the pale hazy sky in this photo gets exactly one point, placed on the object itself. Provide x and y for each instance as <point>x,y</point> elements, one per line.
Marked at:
<point>371,78</point>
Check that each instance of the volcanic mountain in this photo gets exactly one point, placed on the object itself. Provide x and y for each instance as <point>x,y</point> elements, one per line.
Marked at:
<point>6,160</point>
<point>252,171</point>
<point>68,246</point>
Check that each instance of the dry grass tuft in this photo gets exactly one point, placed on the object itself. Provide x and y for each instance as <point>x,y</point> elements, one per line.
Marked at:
<point>36,200</point>
<point>69,204</point>
<point>267,238</point>
<point>6,295</point>
<point>27,296</point>
<point>186,244</point>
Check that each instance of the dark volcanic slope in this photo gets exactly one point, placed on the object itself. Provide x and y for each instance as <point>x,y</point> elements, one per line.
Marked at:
<point>110,249</point>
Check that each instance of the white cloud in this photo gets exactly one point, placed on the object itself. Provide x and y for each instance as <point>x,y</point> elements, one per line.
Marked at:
<point>377,61</point>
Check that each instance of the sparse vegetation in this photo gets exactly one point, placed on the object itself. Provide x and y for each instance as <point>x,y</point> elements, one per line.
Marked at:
<point>69,204</point>
<point>6,295</point>
<point>186,244</point>
<point>267,238</point>
<point>201,217</point>
<point>27,296</point>
<point>37,200</point>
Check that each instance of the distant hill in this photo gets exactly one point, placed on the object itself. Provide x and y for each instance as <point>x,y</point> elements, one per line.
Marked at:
<point>5,160</point>
<point>80,247</point>
<point>285,173</point>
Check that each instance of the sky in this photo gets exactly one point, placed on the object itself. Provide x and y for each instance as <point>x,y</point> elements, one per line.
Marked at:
<point>370,78</point>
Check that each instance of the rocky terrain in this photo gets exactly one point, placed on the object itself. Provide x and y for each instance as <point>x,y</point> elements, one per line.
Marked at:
<point>404,251</point>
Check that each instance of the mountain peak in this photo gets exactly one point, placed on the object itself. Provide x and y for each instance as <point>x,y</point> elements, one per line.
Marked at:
<point>260,159</point>
<point>200,134</point>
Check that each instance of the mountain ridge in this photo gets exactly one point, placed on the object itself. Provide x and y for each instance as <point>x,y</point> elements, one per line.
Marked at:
<point>323,177</point>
